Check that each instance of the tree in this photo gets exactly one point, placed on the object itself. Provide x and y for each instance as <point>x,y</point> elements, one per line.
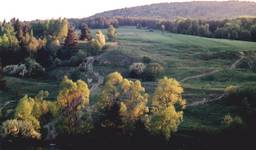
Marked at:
<point>31,44</point>
<point>112,33</point>
<point>8,38</point>
<point>167,106</point>
<point>63,29</point>
<point>122,102</point>
<point>98,43</point>
<point>72,99</point>
<point>85,33</point>
<point>72,39</point>
<point>58,29</point>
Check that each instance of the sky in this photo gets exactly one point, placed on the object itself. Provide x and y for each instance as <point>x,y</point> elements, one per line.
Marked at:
<point>47,9</point>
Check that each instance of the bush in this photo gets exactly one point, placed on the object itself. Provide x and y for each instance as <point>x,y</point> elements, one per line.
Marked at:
<point>78,58</point>
<point>136,70</point>
<point>19,128</point>
<point>146,60</point>
<point>29,68</point>
<point>232,122</point>
<point>153,71</point>
<point>238,95</point>
<point>231,89</point>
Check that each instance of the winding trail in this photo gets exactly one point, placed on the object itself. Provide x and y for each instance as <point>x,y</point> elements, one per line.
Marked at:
<point>205,101</point>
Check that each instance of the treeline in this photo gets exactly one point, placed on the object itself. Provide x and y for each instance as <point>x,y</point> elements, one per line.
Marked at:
<point>243,28</point>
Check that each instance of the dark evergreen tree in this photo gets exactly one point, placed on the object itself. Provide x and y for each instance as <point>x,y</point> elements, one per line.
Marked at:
<point>72,39</point>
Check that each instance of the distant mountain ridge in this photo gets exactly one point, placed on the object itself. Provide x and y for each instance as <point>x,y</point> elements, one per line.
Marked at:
<point>193,10</point>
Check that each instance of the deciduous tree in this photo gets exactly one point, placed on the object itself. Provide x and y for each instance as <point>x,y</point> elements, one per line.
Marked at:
<point>112,33</point>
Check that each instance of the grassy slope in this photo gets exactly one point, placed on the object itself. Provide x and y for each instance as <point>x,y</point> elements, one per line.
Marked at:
<point>179,55</point>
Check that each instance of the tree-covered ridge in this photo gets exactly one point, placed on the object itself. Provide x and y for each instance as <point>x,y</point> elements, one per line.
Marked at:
<point>122,104</point>
<point>193,10</point>
<point>240,28</point>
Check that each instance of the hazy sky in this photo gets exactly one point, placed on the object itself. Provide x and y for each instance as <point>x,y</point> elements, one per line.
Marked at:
<point>44,9</point>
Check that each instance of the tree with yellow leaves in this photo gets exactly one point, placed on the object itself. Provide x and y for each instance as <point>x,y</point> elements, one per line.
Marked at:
<point>98,43</point>
<point>167,108</point>
<point>28,113</point>
<point>122,102</point>
<point>72,98</point>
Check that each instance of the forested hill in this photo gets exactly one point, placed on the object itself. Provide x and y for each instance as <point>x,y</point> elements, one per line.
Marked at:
<point>194,10</point>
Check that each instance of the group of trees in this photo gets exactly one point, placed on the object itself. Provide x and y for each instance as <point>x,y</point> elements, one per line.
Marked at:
<point>19,40</point>
<point>243,28</point>
<point>46,43</point>
<point>122,104</point>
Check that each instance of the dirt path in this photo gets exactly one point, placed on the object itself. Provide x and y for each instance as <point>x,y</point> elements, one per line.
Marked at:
<point>95,86</point>
<point>205,101</point>
<point>233,66</point>
<point>201,75</point>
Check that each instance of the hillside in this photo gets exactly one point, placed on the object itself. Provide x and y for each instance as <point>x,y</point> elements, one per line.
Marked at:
<point>194,10</point>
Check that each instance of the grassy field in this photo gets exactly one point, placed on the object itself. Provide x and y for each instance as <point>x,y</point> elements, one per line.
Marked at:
<point>182,56</point>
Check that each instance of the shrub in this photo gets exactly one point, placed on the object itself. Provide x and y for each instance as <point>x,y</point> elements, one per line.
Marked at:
<point>231,89</point>
<point>238,95</point>
<point>19,128</point>
<point>136,70</point>
<point>153,71</point>
<point>78,58</point>
<point>146,60</point>
<point>30,68</point>
<point>230,121</point>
